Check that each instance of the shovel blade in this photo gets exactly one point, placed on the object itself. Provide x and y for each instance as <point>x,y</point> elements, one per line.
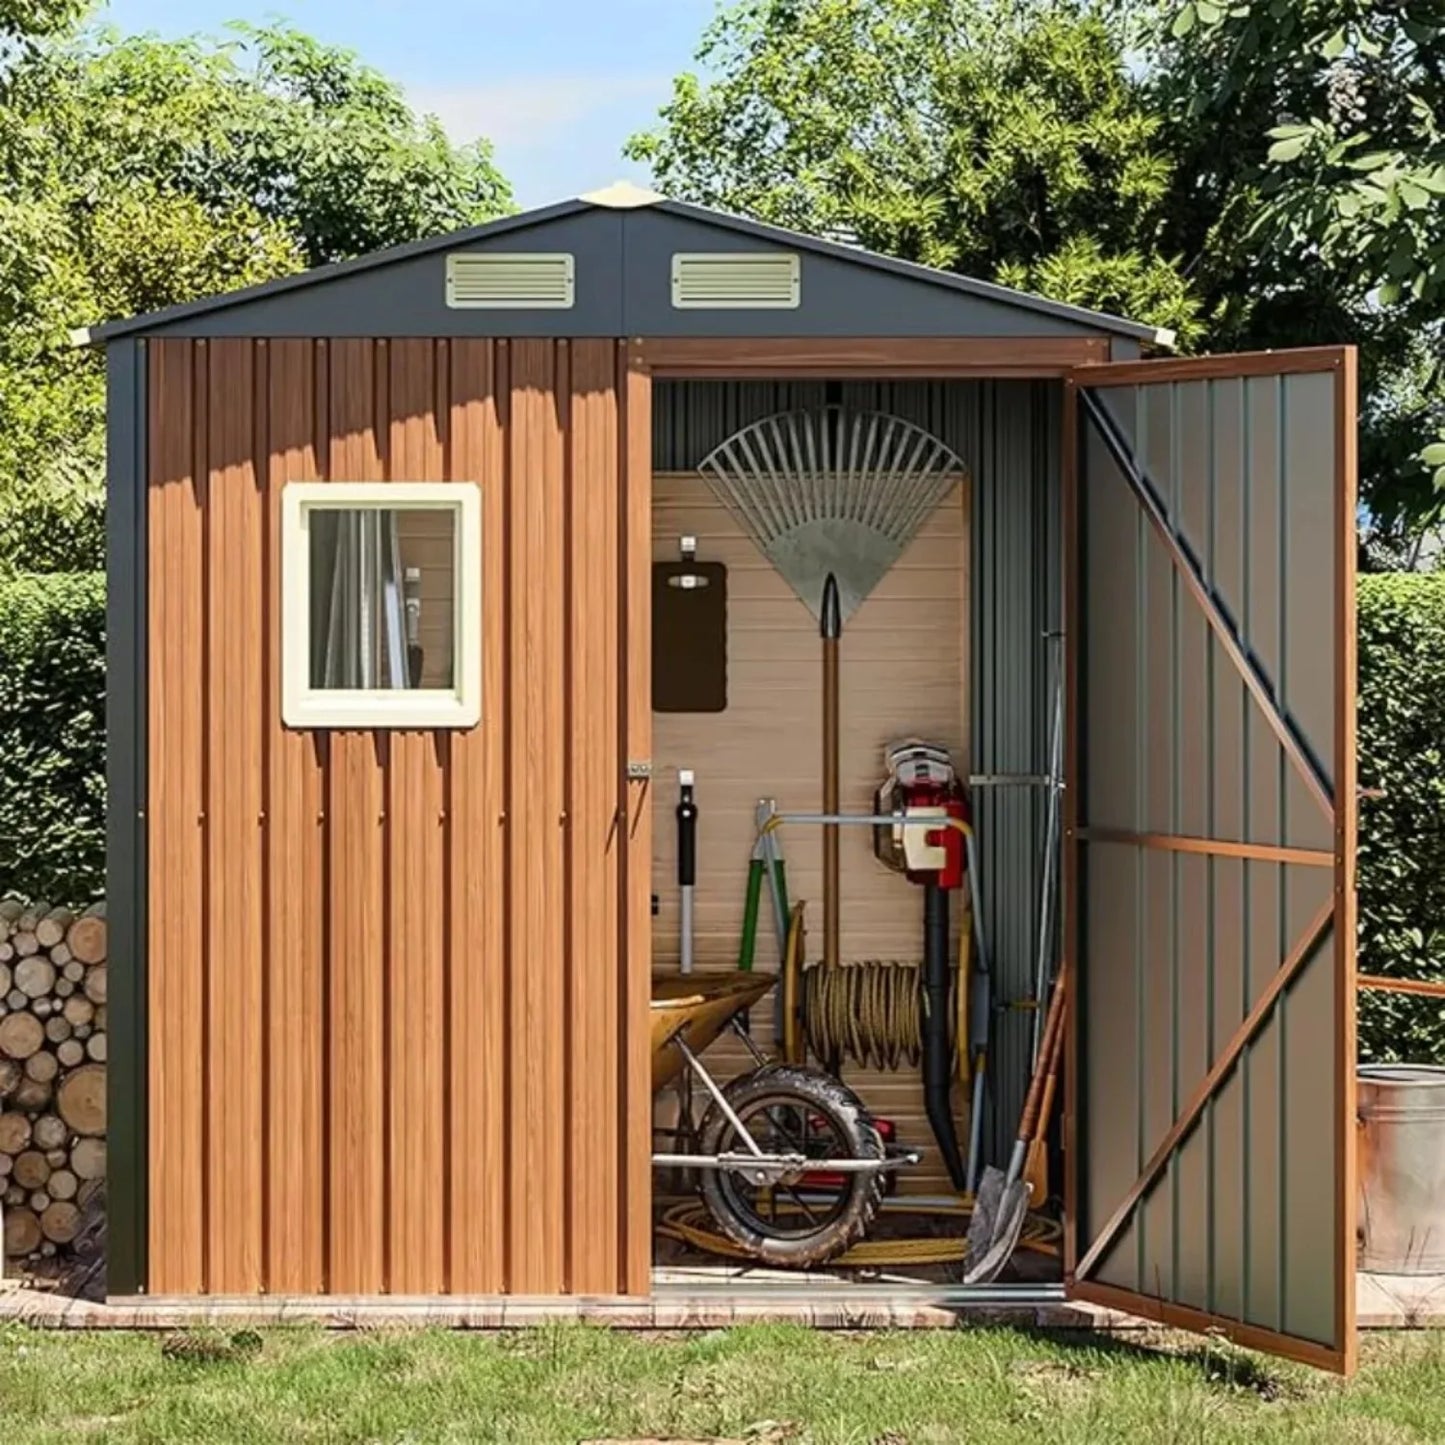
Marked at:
<point>986,1263</point>
<point>985,1212</point>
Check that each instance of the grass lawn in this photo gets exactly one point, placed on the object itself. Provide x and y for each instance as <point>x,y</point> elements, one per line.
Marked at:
<point>766,1385</point>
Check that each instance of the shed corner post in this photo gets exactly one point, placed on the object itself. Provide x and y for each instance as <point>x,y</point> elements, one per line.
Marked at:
<point>125,823</point>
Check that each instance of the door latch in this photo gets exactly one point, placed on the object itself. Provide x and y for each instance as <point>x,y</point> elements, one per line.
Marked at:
<point>639,770</point>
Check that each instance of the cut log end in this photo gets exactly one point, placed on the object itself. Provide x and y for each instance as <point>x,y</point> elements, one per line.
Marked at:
<point>22,1232</point>
<point>80,1100</point>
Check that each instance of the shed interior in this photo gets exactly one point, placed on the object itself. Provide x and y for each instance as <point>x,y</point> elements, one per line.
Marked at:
<point>952,646</point>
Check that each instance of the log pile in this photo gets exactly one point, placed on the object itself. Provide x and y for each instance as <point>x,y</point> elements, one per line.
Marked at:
<point>52,1073</point>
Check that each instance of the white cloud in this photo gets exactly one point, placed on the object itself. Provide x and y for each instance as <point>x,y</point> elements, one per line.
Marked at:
<point>536,112</point>
<point>555,135</point>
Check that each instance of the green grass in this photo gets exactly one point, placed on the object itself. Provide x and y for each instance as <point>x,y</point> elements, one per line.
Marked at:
<point>762,1384</point>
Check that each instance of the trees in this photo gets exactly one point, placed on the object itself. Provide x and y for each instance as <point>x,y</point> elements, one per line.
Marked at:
<point>141,172</point>
<point>1257,174</point>
<point>1006,139</point>
<point>1315,130</point>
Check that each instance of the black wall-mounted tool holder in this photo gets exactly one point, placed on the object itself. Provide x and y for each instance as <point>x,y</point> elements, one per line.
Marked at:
<point>689,633</point>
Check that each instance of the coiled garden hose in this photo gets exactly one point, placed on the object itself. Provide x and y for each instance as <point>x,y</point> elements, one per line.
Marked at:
<point>689,1223</point>
<point>868,1012</point>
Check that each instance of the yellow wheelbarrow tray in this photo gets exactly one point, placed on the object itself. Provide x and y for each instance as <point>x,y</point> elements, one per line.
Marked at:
<point>791,1165</point>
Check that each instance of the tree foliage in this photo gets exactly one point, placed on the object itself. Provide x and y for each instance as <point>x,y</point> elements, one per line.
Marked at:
<point>1314,130</point>
<point>1006,139</point>
<point>141,172</point>
<point>1261,174</point>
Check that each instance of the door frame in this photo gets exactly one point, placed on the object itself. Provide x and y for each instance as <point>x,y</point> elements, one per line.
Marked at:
<point>1345,798</point>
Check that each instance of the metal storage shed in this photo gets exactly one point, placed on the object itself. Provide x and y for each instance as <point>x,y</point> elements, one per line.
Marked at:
<point>379,997</point>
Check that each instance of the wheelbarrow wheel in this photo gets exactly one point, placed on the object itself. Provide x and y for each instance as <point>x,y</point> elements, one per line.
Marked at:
<point>793,1111</point>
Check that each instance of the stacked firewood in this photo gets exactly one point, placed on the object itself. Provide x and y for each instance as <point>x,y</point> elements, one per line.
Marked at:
<point>52,1072</point>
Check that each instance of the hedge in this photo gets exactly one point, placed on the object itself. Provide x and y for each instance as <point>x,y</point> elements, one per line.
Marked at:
<point>1402,834</point>
<point>52,735</point>
<point>52,803</point>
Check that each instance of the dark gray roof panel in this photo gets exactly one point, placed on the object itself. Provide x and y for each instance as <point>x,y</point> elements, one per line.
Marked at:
<point>623,288</point>
<point>1079,317</point>
<point>166,321</point>
<point>407,297</point>
<point>844,292</point>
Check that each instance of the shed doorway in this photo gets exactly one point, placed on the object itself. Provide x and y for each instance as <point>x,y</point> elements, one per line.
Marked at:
<point>1186,527</point>
<point>738,692</point>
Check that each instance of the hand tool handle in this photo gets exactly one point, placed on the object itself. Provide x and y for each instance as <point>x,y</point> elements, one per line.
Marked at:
<point>1053,1034</point>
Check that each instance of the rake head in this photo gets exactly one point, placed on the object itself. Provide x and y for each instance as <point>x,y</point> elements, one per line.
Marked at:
<point>832,490</point>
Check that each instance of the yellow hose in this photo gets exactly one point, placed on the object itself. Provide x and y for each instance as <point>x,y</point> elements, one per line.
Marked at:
<point>688,1222</point>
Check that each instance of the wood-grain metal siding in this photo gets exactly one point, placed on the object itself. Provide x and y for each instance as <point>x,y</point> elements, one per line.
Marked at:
<point>394,1033</point>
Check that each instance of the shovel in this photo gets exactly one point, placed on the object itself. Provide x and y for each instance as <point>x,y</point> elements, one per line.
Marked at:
<point>1002,1202</point>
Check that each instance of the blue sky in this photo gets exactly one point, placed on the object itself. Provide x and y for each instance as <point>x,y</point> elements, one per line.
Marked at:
<point>557,85</point>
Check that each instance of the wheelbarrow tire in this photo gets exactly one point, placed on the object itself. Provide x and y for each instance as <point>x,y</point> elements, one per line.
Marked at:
<point>856,1204</point>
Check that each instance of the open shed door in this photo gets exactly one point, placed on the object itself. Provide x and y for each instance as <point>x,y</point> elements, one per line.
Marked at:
<point>1209,863</point>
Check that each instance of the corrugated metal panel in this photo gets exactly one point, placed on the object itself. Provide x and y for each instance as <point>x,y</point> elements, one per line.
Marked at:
<point>379,1049</point>
<point>1007,434</point>
<point>1216,853</point>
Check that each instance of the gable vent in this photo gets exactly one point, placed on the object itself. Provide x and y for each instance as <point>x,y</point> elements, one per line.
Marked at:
<point>515,280</point>
<point>735,280</point>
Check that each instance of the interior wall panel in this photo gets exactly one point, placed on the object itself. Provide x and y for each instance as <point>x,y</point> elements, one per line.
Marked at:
<point>391,1000</point>
<point>1007,435</point>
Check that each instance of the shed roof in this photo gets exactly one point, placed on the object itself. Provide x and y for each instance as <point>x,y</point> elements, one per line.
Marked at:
<point>608,220</point>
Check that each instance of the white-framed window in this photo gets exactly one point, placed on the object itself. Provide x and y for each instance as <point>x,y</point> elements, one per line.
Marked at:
<point>381,620</point>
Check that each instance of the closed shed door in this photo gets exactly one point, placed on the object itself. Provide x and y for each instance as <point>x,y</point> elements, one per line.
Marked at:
<point>1210,845</point>
<point>397,979</point>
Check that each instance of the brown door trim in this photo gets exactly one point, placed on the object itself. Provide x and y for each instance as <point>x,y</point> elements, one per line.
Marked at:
<point>1211,847</point>
<point>870,356</point>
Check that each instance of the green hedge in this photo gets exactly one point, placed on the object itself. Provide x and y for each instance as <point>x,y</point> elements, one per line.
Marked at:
<point>52,735</point>
<point>1402,835</point>
<point>52,804</point>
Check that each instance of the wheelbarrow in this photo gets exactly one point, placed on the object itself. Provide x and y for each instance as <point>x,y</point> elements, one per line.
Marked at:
<point>790,1165</point>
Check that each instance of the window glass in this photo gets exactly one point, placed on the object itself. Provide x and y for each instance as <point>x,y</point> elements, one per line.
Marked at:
<point>382,598</point>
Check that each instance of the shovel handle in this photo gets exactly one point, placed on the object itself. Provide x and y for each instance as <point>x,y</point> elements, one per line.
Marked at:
<point>1053,1035</point>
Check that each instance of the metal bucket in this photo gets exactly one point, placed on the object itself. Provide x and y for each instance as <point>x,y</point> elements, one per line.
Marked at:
<point>1402,1168</point>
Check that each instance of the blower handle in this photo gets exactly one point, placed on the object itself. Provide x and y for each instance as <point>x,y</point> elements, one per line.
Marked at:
<point>686,832</point>
<point>686,864</point>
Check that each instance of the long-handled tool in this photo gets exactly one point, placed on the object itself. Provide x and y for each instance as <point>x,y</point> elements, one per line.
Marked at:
<point>686,865</point>
<point>1036,1168</point>
<point>1002,1202</point>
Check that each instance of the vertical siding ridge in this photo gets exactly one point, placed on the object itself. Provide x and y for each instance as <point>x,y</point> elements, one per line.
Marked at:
<point>261,478</point>
<point>321,441</point>
<point>381,743</point>
<point>503,392</point>
<point>441,390</point>
<point>562,394</point>
<point>201,414</point>
<point>625,421</point>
